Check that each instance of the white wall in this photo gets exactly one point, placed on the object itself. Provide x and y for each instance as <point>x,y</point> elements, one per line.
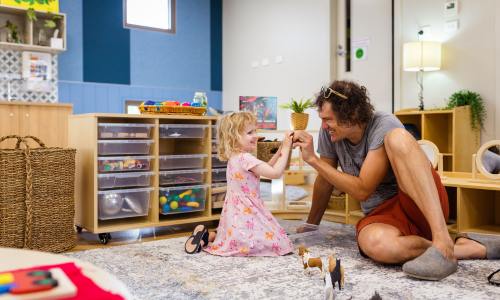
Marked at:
<point>469,58</point>
<point>261,29</point>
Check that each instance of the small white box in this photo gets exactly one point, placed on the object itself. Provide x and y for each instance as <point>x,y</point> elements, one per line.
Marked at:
<point>56,43</point>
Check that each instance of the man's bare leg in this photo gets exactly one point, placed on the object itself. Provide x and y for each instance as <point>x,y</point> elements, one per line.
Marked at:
<point>387,245</point>
<point>411,166</point>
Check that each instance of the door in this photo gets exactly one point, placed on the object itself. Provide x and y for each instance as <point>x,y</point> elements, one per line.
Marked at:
<point>9,124</point>
<point>372,20</point>
<point>48,123</point>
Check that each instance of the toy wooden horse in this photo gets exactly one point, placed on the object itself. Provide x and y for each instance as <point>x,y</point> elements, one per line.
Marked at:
<point>311,262</point>
<point>336,271</point>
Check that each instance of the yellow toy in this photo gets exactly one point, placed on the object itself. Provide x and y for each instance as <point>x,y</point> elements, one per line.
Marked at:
<point>129,163</point>
<point>174,205</point>
<point>193,204</point>
<point>163,200</point>
<point>185,193</point>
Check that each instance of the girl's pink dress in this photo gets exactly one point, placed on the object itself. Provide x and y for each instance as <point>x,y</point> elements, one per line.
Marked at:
<point>246,227</point>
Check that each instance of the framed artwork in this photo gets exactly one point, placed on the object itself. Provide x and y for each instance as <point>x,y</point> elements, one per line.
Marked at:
<point>45,5</point>
<point>264,108</point>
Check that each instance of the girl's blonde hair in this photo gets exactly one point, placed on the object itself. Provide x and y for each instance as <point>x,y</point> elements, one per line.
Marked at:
<point>230,128</point>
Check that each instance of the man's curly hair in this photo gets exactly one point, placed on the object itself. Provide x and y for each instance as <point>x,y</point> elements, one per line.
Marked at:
<point>355,110</point>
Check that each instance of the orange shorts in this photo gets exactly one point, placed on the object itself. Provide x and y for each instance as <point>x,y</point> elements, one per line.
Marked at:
<point>403,213</point>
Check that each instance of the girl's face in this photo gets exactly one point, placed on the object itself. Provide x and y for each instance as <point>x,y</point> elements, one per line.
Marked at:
<point>249,138</point>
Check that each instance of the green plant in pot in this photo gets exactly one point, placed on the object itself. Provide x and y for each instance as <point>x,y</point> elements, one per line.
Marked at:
<point>42,39</point>
<point>12,36</point>
<point>299,119</point>
<point>477,111</point>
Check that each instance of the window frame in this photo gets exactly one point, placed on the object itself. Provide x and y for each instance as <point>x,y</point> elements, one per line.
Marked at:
<point>171,11</point>
<point>131,103</point>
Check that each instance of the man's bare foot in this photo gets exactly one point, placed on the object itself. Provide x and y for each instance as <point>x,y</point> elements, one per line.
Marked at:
<point>446,248</point>
<point>469,249</point>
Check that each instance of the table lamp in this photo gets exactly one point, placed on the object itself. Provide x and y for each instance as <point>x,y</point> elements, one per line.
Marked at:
<point>420,57</point>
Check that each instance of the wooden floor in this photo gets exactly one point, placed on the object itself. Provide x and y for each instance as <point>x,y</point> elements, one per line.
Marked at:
<point>87,240</point>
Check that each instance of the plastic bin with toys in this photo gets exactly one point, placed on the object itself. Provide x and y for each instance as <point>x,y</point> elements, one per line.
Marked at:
<point>116,180</point>
<point>182,199</point>
<point>168,131</point>
<point>182,176</point>
<point>116,147</point>
<point>124,163</point>
<point>115,204</point>
<point>125,131</point>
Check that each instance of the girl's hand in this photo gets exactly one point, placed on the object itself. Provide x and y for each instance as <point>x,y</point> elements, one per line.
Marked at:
<point>287,140</point>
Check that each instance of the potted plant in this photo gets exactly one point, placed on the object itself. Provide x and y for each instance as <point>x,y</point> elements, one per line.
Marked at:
<point>42,39</point>
<point>299,119</point>
<point>12,34</point>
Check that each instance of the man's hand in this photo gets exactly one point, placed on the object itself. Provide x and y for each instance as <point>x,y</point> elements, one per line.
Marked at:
<point>306,144</point>
<point>287,140</point>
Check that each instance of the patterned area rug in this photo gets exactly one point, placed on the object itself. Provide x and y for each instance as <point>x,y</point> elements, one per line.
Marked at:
<point>162,270</point>
<point>292,193</point>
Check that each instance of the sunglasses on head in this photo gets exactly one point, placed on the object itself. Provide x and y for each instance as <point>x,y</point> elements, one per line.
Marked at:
<point>327,92</point>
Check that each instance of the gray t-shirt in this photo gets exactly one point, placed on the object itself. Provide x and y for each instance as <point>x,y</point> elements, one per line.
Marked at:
<point>351,157</point>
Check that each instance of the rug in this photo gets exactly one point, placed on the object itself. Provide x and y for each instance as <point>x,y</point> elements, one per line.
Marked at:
<point>292,193</point>
<point>162,270</point>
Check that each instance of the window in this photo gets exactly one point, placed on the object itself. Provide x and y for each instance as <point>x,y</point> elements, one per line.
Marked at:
<point>155,15</point>
<point>132,107</point>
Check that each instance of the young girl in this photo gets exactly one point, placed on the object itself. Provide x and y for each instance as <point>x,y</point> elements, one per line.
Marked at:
<point>246,226</point>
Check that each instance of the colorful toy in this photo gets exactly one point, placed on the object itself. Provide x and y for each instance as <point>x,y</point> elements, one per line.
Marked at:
<point>168,103</point>
<point>193,204</point>
<point>176,210</point>
<point>196,190</point>
<point>185,104</point>
<point>158,103</point>
<point>192,200</point>
<point>195,105</point>
<point>163,200</point>
<point>176,103</point>
<point>311,262</point>
<point>149,102</point>
<point>182,204</point>
<point>186,198</point>
<point>23,282</point>
<point>166,208</point>
<point>330,293</point>
<point>176,198</point>
<point>186,208</point>
<point>188,192</point>
<point>336,271</point>
<point>201,200</point>
<point>120,165</point>
<point>174,205</point>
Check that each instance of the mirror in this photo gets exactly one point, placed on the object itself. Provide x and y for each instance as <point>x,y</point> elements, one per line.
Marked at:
<point>487,160</point>
<point>431,150</point>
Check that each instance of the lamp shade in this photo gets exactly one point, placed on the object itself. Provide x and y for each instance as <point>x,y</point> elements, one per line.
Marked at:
<point>424,56</point>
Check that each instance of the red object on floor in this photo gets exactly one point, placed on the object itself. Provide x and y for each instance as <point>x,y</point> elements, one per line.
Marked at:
<point>87,289</point>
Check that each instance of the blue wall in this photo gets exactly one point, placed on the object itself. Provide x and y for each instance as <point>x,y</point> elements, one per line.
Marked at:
<point>162,66</point>
<point>106,44</point>
<point>70,62</point>
<point>180,60</point>
<point>216,44</point>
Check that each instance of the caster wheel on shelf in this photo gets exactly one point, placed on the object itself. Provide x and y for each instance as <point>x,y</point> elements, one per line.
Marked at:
<point>79,229</point>
<point>104,237</point>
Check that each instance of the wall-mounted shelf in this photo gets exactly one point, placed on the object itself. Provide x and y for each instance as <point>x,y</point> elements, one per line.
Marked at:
<point>29,30</point>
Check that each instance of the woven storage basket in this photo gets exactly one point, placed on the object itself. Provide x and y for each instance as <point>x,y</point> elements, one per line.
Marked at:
<point>12,196</point>
<point>299,121</point>
<point>50,204</point>
<point>336,203</point>
<point>264,152</point>
<point>172,110</point>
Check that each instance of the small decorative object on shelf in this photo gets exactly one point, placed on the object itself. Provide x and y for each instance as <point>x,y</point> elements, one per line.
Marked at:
<point>12,34</point>
<point>201,99</point>
<point>42,38</point>
<point>299,119</point>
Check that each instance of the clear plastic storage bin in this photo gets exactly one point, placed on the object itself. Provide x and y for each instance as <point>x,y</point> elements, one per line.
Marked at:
<point>214,146</point>
<point>182,131</point>
<point>116,180</point>
<point>181,176</point>
<point>214,131</point>
<point>113,147</point>
<point>174,200</point>
<point>169,162</point>
<point>124,131</point>
<point>117,204</point>
<point>219,191</point>
<point>216,163</point>
<point>124,163</point>
<point>219,174</point>
<point>314,235</point>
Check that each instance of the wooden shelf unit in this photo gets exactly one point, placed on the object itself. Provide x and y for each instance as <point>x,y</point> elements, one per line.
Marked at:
<point>19,17</point>
<point>450,130</point>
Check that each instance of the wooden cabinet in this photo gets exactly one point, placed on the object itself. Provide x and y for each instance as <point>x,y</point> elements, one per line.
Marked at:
<point>47,121</point>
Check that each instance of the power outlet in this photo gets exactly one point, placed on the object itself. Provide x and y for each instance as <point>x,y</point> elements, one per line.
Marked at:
<point>265,62</point>
<point>255,64</point>
<point>450,26</point>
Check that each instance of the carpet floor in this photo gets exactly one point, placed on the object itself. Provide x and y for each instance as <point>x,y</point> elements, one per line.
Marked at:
<point>292,193</point>
<point>162,270</point>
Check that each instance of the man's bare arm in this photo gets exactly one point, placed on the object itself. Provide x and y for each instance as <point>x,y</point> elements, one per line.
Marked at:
<point>321,193</point>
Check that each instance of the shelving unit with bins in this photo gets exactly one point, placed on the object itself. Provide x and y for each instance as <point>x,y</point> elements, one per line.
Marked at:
<point>450,130</point>
<point>219,183</point>
<point>19,17</point>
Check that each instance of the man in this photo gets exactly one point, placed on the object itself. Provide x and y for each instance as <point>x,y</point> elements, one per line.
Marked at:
<point>404,203</point>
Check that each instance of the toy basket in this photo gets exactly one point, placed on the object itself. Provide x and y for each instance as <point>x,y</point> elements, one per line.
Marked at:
<point>172,110</point>
<point>264,152</point>
<point>48,187</point>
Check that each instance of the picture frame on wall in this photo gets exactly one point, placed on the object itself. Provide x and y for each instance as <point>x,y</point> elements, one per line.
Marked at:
<point>264,108</point>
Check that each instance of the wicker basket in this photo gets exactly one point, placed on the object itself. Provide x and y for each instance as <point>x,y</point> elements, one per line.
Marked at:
<point>264,152</point>
<point>50,204</point>
<point>336,203</point>
<point>172,110</point>
<point>12,196</point>
<point>299,121</point>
